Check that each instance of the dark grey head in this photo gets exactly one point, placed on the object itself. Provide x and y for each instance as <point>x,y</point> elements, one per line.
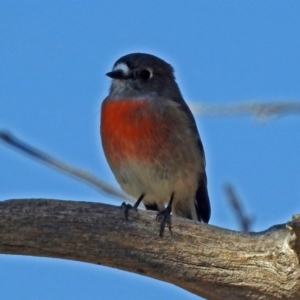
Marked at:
<point>143,75</point>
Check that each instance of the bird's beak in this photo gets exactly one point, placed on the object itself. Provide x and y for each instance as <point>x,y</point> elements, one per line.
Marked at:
<point>116,74</point>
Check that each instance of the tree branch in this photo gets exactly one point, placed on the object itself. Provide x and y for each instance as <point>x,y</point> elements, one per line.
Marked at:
<point>84,176</point>
<point>206,260</point>
<point>260,109</point>
<point>236,204</point>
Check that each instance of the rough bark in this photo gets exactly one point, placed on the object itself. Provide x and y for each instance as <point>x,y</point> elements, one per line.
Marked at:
<point>206,260</point>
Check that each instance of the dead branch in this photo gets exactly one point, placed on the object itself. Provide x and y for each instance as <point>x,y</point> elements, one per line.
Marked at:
<point>206,260</point>
<point>235,203</point>
<point>43,157</point>
<point>260,109</point>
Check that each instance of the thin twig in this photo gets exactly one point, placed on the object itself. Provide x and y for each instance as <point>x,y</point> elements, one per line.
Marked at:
<point>236,204</point>
<point>260,110</point>
<point>82,175</point>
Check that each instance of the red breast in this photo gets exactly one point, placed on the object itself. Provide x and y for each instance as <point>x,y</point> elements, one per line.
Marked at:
<point>132,129</point>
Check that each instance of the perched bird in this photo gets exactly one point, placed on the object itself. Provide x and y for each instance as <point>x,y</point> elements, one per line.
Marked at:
<point>151,142</point>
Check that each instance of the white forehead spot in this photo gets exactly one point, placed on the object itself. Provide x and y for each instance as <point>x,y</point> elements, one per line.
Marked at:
<point>122,67</point>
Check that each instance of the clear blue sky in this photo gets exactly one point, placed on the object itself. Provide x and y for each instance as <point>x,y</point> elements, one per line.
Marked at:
<point>53,60</point>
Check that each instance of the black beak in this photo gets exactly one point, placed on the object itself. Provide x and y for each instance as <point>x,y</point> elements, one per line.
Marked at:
<point>117,74</point>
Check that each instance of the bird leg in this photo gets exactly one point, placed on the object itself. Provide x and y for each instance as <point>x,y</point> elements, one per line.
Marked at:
<point>164,217</point>
<point>128,206</point>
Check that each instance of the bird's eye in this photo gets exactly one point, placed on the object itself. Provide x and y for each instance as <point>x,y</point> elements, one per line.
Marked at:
<point>145,74</point>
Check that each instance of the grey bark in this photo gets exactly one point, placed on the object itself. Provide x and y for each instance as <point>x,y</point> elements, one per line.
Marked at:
<point>211,262</point>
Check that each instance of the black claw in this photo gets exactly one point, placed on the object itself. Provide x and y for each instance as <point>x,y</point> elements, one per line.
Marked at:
<point>165,218</point>
<point>127,207</point>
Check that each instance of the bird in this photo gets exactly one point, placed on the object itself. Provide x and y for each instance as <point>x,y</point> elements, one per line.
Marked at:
<point>151,141</point>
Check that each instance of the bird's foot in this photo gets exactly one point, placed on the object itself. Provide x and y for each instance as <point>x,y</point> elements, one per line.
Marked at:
<point>127,206</point>
<point>164,217</point>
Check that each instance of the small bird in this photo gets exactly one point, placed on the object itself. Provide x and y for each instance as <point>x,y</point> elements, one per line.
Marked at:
<point>151,142</point>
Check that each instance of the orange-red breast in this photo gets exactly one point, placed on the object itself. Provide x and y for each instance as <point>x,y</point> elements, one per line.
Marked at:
<point>150,139</point>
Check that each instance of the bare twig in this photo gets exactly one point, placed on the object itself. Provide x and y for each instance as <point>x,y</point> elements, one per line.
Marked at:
<point>82,175</point>
<point>261,110</point>
<point>236,204</point>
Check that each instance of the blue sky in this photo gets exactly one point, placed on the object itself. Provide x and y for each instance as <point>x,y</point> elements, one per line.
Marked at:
<point>53,60</point>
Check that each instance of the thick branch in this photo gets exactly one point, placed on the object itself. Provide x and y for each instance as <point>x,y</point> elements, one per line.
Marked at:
<point>206,260</point>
